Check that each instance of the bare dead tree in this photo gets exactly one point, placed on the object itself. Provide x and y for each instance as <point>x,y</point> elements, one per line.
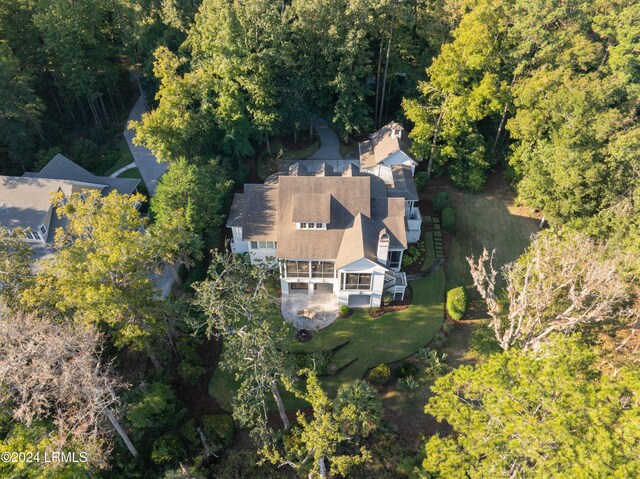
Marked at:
<point>561,284</point>
<point>52,370</point>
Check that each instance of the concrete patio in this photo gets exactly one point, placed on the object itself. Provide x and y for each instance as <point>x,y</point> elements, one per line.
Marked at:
<point>325,305</point>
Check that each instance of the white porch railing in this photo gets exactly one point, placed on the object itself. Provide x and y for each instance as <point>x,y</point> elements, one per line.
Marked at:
<point>395,283</point>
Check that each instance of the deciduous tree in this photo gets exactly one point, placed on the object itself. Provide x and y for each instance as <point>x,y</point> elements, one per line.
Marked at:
<point>15,264</point>
<point>240,308</point>
<point>51,369</point>
<point>100,273</point>
<point>326,443</point>
<point>561,284</point>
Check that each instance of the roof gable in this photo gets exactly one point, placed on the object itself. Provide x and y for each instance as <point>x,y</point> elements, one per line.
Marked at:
<point>383,143</point>
<point>62,168</point>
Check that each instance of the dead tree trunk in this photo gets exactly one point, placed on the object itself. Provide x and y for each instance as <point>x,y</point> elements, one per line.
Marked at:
<point>281,409</point>
<point>121,432</point>
<point>203,438</point>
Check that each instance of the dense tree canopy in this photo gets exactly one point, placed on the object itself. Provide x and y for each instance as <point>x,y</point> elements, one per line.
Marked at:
<point>566,146</point>
<point>545,413</point>
<point>101,270</point>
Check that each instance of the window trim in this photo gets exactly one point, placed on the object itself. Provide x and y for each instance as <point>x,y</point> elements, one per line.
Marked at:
<point>399,262</point>
<point>359,285</point>
<point>305,225</point>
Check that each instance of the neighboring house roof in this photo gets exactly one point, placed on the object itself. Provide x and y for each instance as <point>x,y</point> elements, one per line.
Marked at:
<point>384,143</point>
<point>355,207</point>
<point>62,168</point>
<point>25,202</point>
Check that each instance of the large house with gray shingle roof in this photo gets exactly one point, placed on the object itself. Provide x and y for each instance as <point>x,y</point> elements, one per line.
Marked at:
<point>327,231</point>
<point>25,201</point>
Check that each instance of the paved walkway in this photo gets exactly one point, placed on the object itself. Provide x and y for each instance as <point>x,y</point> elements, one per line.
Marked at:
<point>130,166</point>
<point>329,151</point>
<point>150,169</point>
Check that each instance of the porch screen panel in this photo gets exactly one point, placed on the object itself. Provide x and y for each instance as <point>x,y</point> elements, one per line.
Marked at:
<point>322,269</point>
<point>297,269</point>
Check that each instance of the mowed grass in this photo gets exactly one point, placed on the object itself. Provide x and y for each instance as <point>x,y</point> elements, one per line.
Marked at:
<point>391,337</point>
<point>362,342</point>
<point>485,220</point>
<point>132,173</point>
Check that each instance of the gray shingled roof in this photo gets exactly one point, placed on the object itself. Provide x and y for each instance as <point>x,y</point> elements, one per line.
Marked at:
<point>62,168</point>
<point>359,241</point>
<point>357,208</point>
<point>235,213</point>
<point>25,202</point>
<point>259,212</point>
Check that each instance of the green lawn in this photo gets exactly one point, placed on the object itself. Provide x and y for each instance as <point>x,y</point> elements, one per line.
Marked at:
<point>369,341</point>
<point>485,220</point>
<point>132,173</point>
<point>391,337</point>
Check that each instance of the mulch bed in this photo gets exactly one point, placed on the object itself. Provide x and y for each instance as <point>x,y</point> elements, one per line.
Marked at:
<point>415,267</point>
<point>397,305</point>
<point>345,316</point>
<point>304,141</point>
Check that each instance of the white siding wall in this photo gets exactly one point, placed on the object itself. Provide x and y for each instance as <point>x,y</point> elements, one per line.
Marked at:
<point>399,158</point>
<point>262,255</point>
<point>238,246</point>
<point>377,282</point>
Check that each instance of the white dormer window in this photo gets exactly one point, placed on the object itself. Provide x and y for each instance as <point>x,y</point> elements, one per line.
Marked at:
<point>43,230</point>
<point>312,226</point>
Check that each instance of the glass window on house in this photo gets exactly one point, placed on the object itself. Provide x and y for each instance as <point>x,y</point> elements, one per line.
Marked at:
<point>393,260</point>
<point>358,281</point>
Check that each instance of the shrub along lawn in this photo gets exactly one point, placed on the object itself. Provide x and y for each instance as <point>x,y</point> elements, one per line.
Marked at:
<point>390,337</point>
